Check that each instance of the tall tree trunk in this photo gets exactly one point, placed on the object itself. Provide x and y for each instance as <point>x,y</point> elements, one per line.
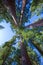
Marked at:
<point>25,60</point>
<point>10,5</point>
<point>37,47</point>
<point>22,10</point>
<point>36,24</point>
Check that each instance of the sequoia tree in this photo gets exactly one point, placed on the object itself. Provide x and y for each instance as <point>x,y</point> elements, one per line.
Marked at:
<point>18,12</point>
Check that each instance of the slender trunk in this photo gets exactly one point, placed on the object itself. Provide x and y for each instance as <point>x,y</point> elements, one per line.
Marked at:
<point>22,10</point>
<point>25,60</point>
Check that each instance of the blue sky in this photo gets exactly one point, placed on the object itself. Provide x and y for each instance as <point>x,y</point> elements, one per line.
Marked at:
<point>34,18</point>
<point>6,33</point>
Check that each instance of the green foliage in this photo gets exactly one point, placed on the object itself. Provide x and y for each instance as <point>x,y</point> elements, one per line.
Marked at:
<point>35,4</point>
<point>9,53</point>
<point>33,56</point>
<point>36,7</point>
<point>8,49</point>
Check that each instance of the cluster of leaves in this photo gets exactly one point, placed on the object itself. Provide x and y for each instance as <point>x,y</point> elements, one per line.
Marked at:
<point>35,4</point>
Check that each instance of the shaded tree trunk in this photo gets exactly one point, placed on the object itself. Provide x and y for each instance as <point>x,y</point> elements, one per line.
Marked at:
<point>25,60</point>
<point>10,5</point>
<point>37,47</point>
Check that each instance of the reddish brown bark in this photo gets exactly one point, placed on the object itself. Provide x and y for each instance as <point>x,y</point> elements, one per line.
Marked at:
<point>10,4</point>
<point>25,59</point>
<point>36,24</point>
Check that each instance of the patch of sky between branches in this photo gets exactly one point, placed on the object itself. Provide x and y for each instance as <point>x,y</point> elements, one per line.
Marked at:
<point>34,19</point>
<point>5,34</point>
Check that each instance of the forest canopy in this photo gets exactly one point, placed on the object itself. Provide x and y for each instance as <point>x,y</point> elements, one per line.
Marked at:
<point>20,49</point>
